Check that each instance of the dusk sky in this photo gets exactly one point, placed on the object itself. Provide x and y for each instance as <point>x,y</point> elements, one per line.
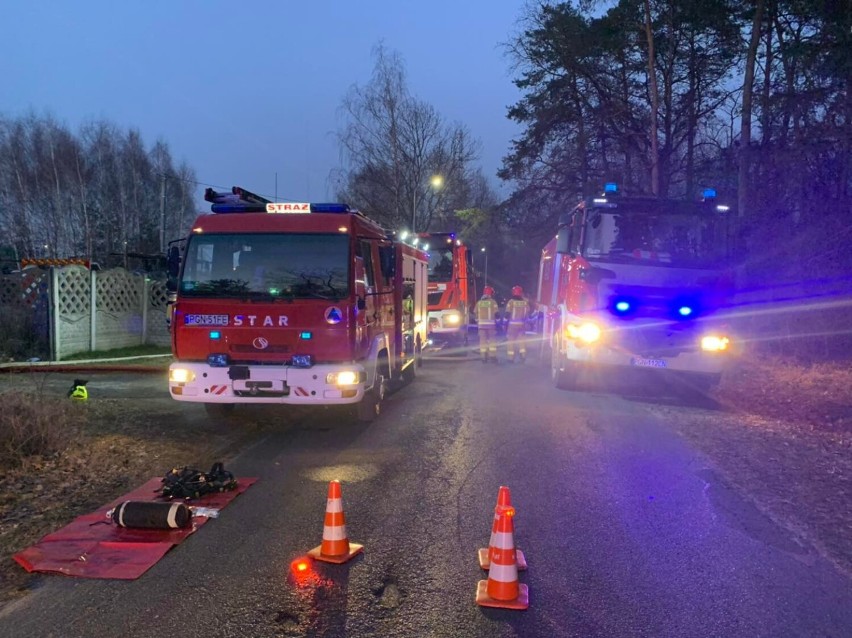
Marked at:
<point>242,90</point>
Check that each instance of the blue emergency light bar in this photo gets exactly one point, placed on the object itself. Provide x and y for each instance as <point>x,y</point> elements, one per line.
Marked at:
<point>330,208</point>
<point>610,187</point>
<point>240,200</point>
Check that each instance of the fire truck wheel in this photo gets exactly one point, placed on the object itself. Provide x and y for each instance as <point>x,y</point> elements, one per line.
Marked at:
<point>410,373</point>
<point>370,406</point>
<point>561,371</point>
<point>220,411</point>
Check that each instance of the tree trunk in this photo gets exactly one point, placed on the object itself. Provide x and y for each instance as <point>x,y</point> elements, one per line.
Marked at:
<point>655,102</point>
<point>745,128</point>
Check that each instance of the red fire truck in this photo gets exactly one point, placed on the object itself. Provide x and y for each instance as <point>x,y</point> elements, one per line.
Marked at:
<point>451,291</point>
<point>635,283</point>
<point>298,303</point>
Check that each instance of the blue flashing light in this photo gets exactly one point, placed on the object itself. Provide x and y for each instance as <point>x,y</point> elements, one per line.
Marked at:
<point>330,208</point>
<point>684,311</point>
<point>218,360</point>
<point>302,361</point>
<point>215,334</point>
<point>623,305</point>
<point>709,193</point>
<point>610,187</point>
<point>305,335</point>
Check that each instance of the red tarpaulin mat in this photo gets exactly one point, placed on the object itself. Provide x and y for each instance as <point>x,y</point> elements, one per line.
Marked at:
<point>92,547</point>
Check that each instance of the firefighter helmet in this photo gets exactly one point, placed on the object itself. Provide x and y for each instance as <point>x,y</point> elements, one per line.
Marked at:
<point>517,291</point>
<point>488,291</point>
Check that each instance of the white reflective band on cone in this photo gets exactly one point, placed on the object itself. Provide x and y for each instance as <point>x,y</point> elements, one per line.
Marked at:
<point>334,505</point>
<point>502,540</point>
<point>503,573</point>
<point>121,513</point>
<point>336,533</point>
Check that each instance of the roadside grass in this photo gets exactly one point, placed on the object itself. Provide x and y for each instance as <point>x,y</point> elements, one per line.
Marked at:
<point>32,425</point>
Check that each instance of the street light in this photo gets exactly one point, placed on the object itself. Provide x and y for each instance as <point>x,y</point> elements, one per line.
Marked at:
<point>436,181</point>
<point>486,265</point>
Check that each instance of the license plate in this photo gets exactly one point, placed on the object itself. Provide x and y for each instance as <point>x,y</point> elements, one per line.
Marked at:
<point>648,363</point>
<point>206,320</point>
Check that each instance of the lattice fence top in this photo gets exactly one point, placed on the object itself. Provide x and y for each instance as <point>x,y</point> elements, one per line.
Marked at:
<point>23,288</point>
<point>74,290</point>
<point>118,290</point>
<point>10,289</point>
<point>158,295</point>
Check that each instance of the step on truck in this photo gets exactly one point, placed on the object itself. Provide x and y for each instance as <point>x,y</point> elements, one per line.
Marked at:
<point>294,303</point>
<point>637,285</point>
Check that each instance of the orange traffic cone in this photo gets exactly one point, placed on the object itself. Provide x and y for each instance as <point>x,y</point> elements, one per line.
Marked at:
<point>504,500</point>
<point>502,588</point>
<point>335,547</point>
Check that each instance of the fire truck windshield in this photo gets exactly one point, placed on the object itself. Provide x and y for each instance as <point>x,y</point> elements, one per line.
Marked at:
<point>266,266</point>
<point>684,240</point>
<point>441,264</point>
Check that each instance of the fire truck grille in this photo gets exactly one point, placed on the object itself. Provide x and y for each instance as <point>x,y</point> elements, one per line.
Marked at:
<point>656,340</point>
<point>271,349</point>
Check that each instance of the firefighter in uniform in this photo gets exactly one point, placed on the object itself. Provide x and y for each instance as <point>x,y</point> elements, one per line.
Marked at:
<point>486,315</point>
<point>408,319</point>
<point>518,310</point>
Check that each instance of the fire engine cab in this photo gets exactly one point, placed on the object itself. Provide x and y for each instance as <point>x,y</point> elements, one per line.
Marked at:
<point>636,283</point>
<point>298,303</point>
<point>450,290</point>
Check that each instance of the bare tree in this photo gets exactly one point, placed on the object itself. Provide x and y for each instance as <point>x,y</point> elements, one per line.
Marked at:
<point>393,143</point>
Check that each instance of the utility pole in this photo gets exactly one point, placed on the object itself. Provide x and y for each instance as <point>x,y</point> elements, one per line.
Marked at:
<point>162,215</point>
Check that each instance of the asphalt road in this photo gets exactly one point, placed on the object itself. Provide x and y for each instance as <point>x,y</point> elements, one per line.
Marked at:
<point>628,531</point>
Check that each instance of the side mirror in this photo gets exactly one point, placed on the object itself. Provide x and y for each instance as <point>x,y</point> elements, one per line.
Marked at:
<point>387,261</point>
<point>174,262</point>
<point>594,275</point>
<point>362,303</point>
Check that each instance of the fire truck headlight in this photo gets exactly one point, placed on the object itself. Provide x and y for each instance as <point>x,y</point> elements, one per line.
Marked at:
<point>715,343</point>
<point>344,377</point>
<point>587,332</point>
<point>453,318</point>
<point>181,375</point>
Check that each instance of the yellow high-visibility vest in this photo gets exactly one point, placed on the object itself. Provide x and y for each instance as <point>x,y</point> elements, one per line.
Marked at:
<point>517,309</point>
<point>486,311</point>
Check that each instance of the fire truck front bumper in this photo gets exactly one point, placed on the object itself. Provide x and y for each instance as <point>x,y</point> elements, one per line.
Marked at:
<point>325,384</point>
<point>446,328</point>
<point>694,364</point>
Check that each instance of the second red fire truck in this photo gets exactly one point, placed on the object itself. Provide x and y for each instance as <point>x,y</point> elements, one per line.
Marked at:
<point>451,292</point>
<point>296,303</point>
<point>636,284</point>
